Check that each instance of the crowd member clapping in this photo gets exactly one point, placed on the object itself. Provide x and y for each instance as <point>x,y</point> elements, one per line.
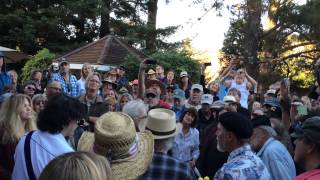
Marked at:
<point>186,144</point>
<point>77,166</point>
<point>37,148</point>
<point>17,118</point>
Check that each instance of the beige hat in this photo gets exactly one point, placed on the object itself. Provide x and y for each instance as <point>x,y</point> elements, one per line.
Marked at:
<point>151,71</point>
<point>116,138</point>
<point>162,123</point>
<point>228,99</point>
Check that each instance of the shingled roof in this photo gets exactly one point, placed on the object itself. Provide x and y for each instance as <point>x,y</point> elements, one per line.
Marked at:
<point>109,50</point>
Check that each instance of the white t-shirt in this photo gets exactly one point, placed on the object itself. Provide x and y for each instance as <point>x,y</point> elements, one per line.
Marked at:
<point>82,88</point>
<point>243,91</point>
<point>44,148</point>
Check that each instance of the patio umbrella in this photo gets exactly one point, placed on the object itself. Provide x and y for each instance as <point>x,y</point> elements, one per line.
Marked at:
<point>11,55</point>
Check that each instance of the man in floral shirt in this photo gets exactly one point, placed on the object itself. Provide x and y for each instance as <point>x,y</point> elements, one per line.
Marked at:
<point>232,136</point>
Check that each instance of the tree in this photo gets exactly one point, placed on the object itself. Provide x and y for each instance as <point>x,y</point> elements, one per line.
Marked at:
<point>41,60</point>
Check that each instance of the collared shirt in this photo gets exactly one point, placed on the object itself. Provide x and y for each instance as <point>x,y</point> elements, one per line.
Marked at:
<point>179,111</point>
<point>277,159</point>
<point>44,148</point>
<point>4,81</point>
<point>164,167</point>
<point>69,87</point>
<point>243,164</point>
<point>186,146</point>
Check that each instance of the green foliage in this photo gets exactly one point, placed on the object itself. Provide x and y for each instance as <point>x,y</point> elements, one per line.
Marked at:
<point>178,61</point>
<point>41,60</point>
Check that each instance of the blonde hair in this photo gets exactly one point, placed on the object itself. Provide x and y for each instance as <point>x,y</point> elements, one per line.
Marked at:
<point>84,65</point>
<point>10,121</point>
<point>77,166</point>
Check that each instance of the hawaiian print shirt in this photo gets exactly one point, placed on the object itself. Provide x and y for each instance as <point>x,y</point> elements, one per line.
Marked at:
<point>243,164</point>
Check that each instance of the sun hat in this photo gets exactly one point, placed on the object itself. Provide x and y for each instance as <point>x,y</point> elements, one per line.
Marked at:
<point>115,137</point>
<point>162,123</point>
<point>179,94</point>
<point>206,99</point>
<point>196,86</point>
<point>184,74</point>
<point>109,81</point>
<point>310,129</point>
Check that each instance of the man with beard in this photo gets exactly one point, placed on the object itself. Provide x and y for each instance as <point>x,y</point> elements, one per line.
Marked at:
<point>195,95</point>
<point>67,81</point>
<point>233,133</point>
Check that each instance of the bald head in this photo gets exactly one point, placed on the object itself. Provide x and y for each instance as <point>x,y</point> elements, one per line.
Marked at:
<point>53,89</point>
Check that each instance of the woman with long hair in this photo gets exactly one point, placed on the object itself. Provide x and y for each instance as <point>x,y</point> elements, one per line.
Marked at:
<point>17,118</point>
<point>85,71</point>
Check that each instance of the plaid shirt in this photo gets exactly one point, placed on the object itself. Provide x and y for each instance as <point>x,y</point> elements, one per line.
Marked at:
<point>164,167</point>
<point>70,87</point>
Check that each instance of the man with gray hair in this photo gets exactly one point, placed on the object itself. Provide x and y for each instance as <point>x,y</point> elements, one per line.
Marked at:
<point>273,153</point>
<point>137,110</point>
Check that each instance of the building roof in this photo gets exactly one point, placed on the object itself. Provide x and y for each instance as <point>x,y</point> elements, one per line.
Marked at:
<point>109,50</point>
<point>12,55</point>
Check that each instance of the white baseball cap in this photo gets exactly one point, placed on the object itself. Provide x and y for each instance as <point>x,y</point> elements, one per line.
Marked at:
<point>206,99</point>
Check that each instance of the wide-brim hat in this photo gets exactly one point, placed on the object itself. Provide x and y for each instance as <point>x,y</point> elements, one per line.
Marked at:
<point>113,132</point>
<point>107,80</point>
<point>162,123</point>
<point>160,84</point>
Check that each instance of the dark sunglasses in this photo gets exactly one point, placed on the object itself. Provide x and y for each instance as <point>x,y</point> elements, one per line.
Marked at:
<point>30,88</point>
<point>150,95</point>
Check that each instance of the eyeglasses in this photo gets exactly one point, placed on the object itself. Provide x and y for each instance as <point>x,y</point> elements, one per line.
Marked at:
<point>31,88</point>
<point>151,96</point>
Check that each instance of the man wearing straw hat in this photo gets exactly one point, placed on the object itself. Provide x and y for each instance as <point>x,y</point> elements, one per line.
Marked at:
<point>162,123</point>
<point>115,137</point>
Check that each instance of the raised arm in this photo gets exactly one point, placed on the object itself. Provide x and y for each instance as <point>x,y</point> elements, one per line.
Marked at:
<point>141,77</point>
<point>250,79</point>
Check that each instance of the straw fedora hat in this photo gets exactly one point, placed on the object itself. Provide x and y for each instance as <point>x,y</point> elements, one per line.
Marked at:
<point>162,123</point>
<point>115,137</point>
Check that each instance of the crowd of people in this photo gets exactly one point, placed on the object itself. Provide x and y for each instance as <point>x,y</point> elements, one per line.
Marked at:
<point>161,125</point>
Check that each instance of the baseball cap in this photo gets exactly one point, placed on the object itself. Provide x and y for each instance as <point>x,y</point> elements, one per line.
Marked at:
<point>184,74</point>
<point>206,99</point>
<point>217,104</point>
<point>135,82</point>
<point>197,86</point>
<point>179,94</point>
<point>63,61</point>
<point>228,99</point>
<point>310,129</point>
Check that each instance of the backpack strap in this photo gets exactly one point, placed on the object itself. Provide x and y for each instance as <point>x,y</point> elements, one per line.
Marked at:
<point>27,155</point>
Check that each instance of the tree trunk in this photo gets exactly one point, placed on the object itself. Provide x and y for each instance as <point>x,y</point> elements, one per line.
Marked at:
<point>252,33</point>
<point>152,22</point>
<point>105,18</point>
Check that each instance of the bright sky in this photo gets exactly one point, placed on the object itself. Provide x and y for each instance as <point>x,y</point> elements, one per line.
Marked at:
<point>206,34</point>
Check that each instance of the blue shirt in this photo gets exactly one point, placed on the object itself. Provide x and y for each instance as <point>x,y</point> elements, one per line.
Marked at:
<point>179,111</point>
<point>69,87</point>
<point>243,164</point>
<point>44,148</point>
<point>4,81</point>
<point>164,167</point>
<point>186,146</point>
<point>277,159</point>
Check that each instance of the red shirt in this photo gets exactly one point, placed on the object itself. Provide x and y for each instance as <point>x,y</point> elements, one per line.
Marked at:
<point>309,175</point>
<point>163,104</point>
